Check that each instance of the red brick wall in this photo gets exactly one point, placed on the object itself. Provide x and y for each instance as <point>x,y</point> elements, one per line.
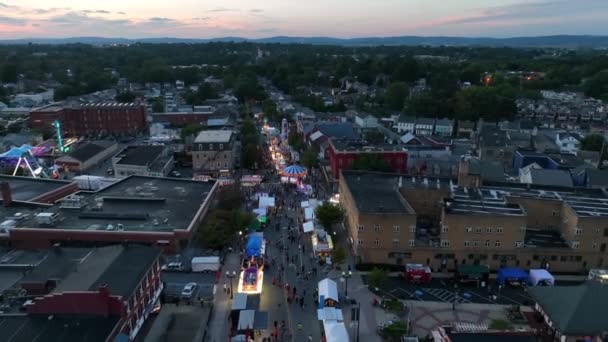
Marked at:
<point>182,119</point>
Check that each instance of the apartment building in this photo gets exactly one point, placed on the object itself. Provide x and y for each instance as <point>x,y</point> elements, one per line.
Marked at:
<point>448,225</point>
<point>213,152</point>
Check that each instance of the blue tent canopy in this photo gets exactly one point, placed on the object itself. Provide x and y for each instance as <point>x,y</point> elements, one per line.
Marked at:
<point>515,273</point>
<point>254,245</point>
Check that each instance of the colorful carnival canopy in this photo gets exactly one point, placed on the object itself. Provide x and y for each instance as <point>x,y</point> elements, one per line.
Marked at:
<point>294,171</point>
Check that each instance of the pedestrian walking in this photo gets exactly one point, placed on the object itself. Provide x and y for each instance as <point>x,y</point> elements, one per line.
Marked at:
<point>225,287</point>
<point>302,303</point>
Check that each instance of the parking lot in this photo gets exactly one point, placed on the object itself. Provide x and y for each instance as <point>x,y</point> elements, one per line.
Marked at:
<point>443,290</point>
<point>175,282</point>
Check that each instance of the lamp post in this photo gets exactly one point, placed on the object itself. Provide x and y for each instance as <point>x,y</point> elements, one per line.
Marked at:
<point>231,275</point>
<point>346,275</point>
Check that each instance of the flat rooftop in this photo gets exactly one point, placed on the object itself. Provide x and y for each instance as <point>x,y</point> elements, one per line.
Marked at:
<point>585,202</point>
<point>353,146</point>
<point>28,188</point>
<point>136,203</point>
<point>57,329</point>
<point>214,136</point>
<point>376,192</point>
<point>481,201</point>
<point>143,155</point>
<point>109,105</point>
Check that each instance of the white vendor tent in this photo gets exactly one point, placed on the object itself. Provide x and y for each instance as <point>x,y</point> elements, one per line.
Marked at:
<point>328,289</point>
<point>541,275</point>
<point>308,227</point>
<point>266,201</point>
<point>309,214</point>
<point>330,314</point>
<point>304,204</point>
<point>335,331</point>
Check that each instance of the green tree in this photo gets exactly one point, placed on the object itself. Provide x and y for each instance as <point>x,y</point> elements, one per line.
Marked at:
<point>191,129</point>
<point>310,158</point>
<point>374,136</point>
<point>593,142</point>
<point>377,277</point>
<point>329,214</point>
<point>395,331</point>
<point>396,94</point>
<point>294,139</point>
<point>371,162</point>
<point>159,105</point>
<point>270,110</point>
<point>9,73</point>
<point>125,97</point>
<point>250,156</point>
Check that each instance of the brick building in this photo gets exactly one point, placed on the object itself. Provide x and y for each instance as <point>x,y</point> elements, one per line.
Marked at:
<point>448,225</point>
<point>153,211</point>
<point>342,155</point>
<point>214,152</point>
<point>120,283</point>
<point>105,118</point>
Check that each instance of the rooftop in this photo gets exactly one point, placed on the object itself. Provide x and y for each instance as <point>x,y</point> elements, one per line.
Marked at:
<point>214,136</point>
<point>28,188</point>
<point>575,310</point>
<point>136,203</point>
<point>56,329</point>
<point>481,201</point>
<point>376,192</point>
<point>355,146</point>
<point>142,155</point>
<point>89,150</point>
<point>548,177</point>
<point>109,105</point>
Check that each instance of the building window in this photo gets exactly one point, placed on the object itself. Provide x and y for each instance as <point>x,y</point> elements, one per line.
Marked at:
<point>605,232</point>
<point>376,243</point>
<point>412,228</point>
<point>594,246</point>
<point>489,230</point>
<point>497,243</point>
<point>476,243</point>
<point>359,242</point>
<point>578,231</point>
<point>487,243</point>
<point>499,230</point>
<point>597,231</point>
<point>519,244</point>
<point>445,243</point>
<point>576,244</point>
<point>221,146</point>
<point>467,243</point>
<point>478,230</point>
<point>376,227</point>
<point>444,229</point>
<point>396,228</point>
<point>412,243</point>
<point>396,243</point>
<point>468,229</point>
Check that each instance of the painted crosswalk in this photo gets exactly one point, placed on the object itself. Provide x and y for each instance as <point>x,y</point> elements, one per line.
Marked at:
<point>445,295</point>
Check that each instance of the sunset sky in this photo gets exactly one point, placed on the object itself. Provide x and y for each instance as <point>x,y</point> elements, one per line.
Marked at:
<point>335,18</point>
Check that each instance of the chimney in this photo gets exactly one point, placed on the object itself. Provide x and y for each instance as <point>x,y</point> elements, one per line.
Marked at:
<point>7,197</point>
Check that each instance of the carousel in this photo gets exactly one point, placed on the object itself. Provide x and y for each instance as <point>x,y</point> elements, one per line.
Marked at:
<point>293,174</point>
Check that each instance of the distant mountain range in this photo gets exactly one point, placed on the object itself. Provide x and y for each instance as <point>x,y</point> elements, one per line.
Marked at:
<point>558,41</point>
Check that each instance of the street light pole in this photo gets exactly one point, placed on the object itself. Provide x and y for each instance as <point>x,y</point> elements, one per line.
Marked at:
<point>230,276</point>
<point>346,275</point>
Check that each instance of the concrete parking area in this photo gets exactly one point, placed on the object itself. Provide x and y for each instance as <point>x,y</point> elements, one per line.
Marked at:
<point>175,282</point>
<point>442,290</point>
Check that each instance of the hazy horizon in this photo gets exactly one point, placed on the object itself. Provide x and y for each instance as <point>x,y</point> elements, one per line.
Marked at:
<point>313,18</point>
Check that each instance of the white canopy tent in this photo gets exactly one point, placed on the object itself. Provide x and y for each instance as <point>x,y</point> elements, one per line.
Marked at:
<point>308,227</point>
<point>330,314</point>
<point>335,331</point>
<point>541,275</point>
<point>266,201</point>
<point>328,289</point>
<point>309,214</point>
<point>304,204</point>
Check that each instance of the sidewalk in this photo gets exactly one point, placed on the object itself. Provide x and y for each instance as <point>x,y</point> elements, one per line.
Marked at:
<point>222,303</point>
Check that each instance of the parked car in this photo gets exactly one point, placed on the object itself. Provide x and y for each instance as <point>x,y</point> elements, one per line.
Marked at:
<point>175,266</point>
<point>110,172</point>
<point>188,290</point>
<point>175,174</point>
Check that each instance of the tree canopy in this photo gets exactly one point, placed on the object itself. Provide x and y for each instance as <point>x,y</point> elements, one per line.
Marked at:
<point>329,214</point>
